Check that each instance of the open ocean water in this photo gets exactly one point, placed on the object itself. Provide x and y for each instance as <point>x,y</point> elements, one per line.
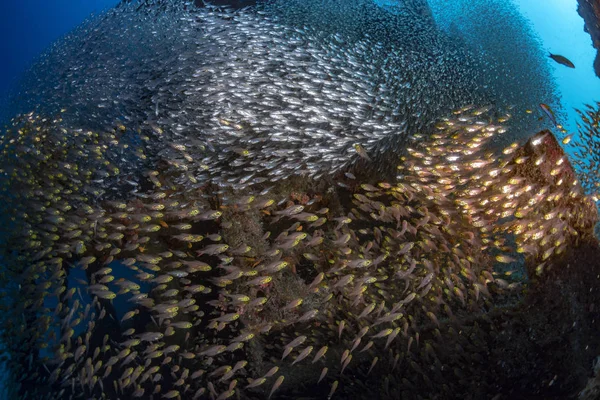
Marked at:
<point>299,199</point>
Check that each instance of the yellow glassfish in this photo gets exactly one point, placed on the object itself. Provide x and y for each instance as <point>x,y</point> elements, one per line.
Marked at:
<point>362,152</point>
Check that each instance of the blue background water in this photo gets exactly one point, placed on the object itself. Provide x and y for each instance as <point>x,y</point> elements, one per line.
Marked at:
<point>560,29</point>
<point>27,27</point>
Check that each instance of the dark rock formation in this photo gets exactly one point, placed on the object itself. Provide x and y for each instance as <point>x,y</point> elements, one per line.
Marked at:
<point>590,12</point>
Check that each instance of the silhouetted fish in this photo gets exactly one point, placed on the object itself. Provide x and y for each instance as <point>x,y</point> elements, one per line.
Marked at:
<point>548,112</point>
<point>562,60</point>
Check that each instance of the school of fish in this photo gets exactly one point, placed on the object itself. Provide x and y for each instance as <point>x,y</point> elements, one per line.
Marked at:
<point>289,88</point>
<point>211,232</point>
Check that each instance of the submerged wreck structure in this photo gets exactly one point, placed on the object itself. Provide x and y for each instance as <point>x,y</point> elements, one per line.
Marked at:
<point>476,275</point>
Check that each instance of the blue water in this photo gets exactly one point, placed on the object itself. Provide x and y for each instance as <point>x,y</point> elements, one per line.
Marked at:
<point>560,29</point>
<point>27,27</point>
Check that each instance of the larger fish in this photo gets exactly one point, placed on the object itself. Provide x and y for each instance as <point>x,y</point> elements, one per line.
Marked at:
<point>562,60</point>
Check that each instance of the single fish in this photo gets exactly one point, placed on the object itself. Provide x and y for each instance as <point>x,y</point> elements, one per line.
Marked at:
<point>362,152</point>
<point>257,382</point>
<point>562,60</point>
<point>548,111</point>
<point>320,354</point>
<point>303,354</point>
<point>276,385</point>
<point>323,373</point>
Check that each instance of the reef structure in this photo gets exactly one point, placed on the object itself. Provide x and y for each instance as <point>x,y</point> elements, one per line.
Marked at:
<point>590,12</point>
<point>206,293</point>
